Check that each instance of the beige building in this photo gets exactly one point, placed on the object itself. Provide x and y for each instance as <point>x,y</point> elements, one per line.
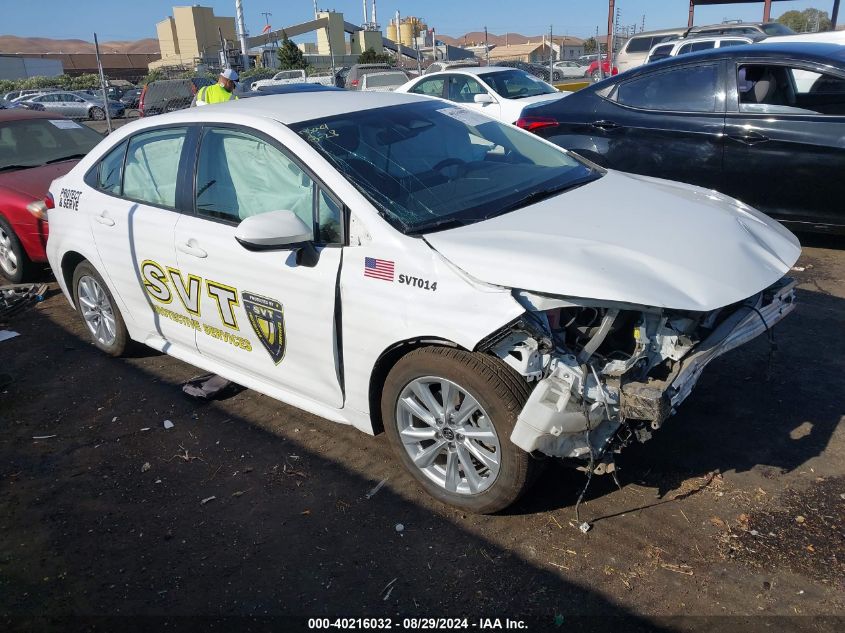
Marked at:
<point>191,36</point>
<point>520,52</point>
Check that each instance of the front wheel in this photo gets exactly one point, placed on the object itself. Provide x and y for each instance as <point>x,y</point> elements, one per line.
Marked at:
<point>96,307</point>
<point>448,415</point>
<point>96,114</point>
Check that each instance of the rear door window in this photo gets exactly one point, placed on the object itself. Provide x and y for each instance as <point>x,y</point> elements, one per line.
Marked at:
<point>152,165</point>
<point>683,89</point>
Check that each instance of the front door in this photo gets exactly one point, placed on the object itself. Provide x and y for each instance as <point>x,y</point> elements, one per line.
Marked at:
<point>462,89</point>
<point>260,311</point>
<point>785,150</point>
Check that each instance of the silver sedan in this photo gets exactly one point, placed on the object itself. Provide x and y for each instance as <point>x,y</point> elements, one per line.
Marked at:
<point>77,105</point>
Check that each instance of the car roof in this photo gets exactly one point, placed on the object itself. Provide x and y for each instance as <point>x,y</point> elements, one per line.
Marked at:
<point>291,108</point>
<point>658,32</point>
<point>824,53</point>
<point>474,70</point>
<point>22,114</point>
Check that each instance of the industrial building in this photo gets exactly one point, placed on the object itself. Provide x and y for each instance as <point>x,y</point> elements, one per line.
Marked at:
<point>23,67</point>
<point>192,36</point>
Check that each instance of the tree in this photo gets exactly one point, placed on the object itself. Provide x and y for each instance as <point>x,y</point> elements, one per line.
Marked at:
<point>590,46</point>
<point>806,20</point>
<point>370,56</point>
<point>290,57</point>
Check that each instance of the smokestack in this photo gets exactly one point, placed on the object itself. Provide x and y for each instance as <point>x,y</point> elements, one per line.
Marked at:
<point>239,15</point>
<point>374,20</point>
<point>365,12</point>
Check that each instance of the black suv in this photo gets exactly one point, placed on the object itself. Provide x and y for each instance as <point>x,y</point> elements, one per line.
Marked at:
<point>168,95</point>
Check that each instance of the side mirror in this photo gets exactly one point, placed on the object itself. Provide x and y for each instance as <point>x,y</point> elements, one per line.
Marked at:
<point>483,99</point>
<point>273,230</point>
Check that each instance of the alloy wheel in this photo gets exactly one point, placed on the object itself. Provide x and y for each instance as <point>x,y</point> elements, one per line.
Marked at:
<point>8,259</point>
<point>97,310</point>
<point>448,435</point>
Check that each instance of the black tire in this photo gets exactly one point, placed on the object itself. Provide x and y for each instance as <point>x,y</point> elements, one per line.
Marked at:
<point>596,75</point>
<point>96,114</point>
<point>23,268</point>
<point>499,390</point>
<point>121,336</point>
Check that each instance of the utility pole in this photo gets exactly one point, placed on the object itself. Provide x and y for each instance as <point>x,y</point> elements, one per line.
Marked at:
<point>611,11</point>
<point>398,40</point>
<point>103,84</point>
<point>486,47</point>
<point>551,55</point>
<point>834,16</point>
<point>267,15</point>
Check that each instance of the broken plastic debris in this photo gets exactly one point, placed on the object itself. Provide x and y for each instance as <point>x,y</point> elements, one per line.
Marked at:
<point>207,499</point>
<point>399,527</point>
<point>5,335</point>
<point>43,437</point>
<point>145,467</point>
<point>799,269</point>
<point>376,488</point>
<point>800,519</point>
<point>206,386</point>
<point>114,419</point>
<point>146,428</point>
<point>16,297</point>
<point>585,527</point>
<point>168,424</point>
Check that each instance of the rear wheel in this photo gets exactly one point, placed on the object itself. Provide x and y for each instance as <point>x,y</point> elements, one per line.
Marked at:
<point>449,415</point>
<point>15,265</point>
<point>98,311</point>
<point>96,114</point>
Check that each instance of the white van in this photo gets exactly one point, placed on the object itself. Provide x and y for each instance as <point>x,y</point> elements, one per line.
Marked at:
<point>635,51</point>
<point>693,45</point>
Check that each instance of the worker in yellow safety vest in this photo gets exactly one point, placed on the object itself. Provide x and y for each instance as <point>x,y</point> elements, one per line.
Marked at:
<point>220,92</point>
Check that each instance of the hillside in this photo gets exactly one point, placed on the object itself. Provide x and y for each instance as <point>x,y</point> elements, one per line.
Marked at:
<point>34,45</point>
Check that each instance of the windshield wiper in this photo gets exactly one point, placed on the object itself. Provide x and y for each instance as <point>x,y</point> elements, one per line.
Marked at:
<point>536,196</point>
<point>64,158</point>
<point>440,225</point>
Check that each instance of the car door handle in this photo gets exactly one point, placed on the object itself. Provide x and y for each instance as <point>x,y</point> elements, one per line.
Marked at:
<point>190,248</point>
<point>605,126</point>
<point>104,219</point>
<point>748,137</point>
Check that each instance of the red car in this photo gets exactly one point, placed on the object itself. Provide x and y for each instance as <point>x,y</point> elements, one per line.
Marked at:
<point>593,70</point>
<point>35,149</point>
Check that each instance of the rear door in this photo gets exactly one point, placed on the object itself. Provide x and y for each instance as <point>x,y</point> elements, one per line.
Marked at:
<point>133,217</point>
<point>785,148</point>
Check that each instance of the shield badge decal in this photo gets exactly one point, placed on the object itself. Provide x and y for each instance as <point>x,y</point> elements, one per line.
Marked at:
<point>267,318</point>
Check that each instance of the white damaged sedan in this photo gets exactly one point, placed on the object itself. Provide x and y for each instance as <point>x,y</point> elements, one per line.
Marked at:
<point>401,264</point>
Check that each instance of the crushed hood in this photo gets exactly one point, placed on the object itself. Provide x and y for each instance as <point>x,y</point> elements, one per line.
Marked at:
<point>629,239</point>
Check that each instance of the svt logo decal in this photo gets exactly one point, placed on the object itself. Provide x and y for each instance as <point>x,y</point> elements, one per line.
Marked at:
<point>267,318</point>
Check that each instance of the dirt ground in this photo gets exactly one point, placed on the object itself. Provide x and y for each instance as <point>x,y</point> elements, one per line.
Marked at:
<point>248,511</point>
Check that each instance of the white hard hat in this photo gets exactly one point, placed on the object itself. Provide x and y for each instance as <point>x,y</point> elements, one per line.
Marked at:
<point>229,74</point>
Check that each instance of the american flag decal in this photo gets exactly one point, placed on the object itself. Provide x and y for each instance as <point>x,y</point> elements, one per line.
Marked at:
<point>378,268</point>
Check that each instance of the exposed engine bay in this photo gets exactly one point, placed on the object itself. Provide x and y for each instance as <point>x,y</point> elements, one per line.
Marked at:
<point>607,374</point>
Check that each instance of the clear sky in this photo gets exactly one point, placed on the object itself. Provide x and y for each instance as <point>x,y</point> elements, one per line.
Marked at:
<point>136,19</point>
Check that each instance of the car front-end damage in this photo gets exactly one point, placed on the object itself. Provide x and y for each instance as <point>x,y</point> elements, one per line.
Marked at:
<point>609,373</point>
